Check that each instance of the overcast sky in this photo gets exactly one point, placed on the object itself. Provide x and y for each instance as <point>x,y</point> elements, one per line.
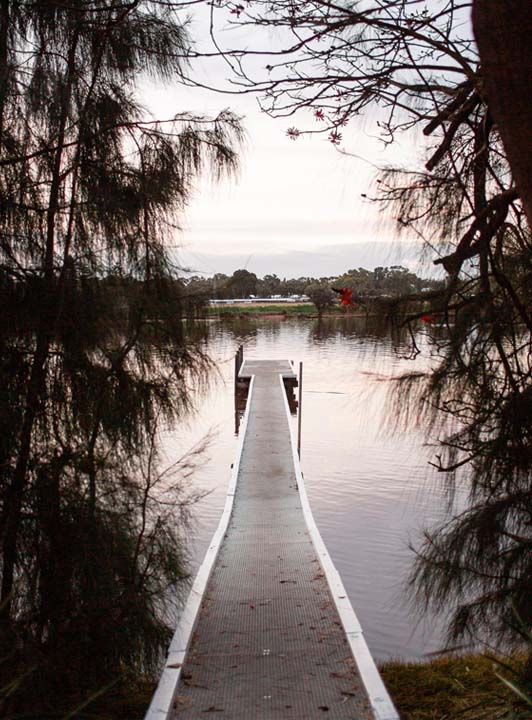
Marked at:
<point>296,207</point>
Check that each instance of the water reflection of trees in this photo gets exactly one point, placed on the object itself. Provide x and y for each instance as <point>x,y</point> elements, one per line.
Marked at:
<point>240,328</point>
<point>245,328</point>
<point>375,326</point>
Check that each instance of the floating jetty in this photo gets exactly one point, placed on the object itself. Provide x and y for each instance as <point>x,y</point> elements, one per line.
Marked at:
<point>268,631</point>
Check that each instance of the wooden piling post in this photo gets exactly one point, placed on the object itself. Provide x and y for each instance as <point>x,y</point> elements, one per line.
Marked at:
<point>237,367</point>
<point>299,408</point>
<point>239,359</point>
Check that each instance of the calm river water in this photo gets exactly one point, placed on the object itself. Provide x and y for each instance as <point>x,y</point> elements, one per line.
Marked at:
<point>371,489</point>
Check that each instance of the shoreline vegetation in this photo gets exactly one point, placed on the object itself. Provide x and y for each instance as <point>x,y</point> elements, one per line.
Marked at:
<point>457,687</point>
<point>370,292</point>
<point>306,310</point>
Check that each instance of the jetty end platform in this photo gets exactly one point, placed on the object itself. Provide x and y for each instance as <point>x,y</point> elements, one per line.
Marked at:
<point>268,632</point>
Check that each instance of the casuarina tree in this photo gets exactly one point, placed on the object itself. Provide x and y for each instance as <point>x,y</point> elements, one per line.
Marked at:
<point>94,352</point>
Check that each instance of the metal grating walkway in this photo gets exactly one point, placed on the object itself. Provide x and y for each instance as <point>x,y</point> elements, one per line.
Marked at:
<point>268,642</point>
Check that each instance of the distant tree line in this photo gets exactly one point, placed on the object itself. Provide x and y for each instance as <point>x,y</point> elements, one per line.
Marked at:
<point>382,281</point>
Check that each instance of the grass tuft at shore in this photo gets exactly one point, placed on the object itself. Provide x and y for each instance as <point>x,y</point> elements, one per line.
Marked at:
<point>456,688</point>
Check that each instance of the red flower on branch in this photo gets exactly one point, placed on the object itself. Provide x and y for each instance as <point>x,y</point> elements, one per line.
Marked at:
<point>319,115</point>
<point>345,296</point>
<point>428,318</point>
<point>293,133</point>
<point>335,137</point>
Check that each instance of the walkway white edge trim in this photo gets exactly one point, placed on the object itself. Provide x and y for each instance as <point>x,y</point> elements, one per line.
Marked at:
<point>380,700</point>
<point>163,699</point>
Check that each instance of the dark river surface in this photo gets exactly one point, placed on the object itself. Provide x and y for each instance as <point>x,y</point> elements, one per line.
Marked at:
<point>371,489</point>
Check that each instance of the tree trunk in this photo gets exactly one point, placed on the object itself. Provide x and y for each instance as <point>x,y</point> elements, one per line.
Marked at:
<point>503,31</point>
<point>15,492</point>
<point>4,64</point>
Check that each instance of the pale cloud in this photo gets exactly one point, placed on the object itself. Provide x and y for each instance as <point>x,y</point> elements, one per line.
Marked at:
<point>291,200</point>
<point>324,261</point>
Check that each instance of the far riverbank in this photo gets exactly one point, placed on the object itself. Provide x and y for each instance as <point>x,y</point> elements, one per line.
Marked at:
<point>280,310</point>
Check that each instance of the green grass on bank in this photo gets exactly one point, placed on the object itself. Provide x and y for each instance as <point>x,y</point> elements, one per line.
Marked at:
<point>284,309</point>
<point>456,688</point>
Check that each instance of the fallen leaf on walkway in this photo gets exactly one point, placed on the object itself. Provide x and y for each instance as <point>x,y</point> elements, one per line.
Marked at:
<point>188,683</point>
<point>181,700</point>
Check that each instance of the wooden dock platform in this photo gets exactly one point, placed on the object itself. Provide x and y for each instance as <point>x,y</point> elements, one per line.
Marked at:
<point>268,631</point>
